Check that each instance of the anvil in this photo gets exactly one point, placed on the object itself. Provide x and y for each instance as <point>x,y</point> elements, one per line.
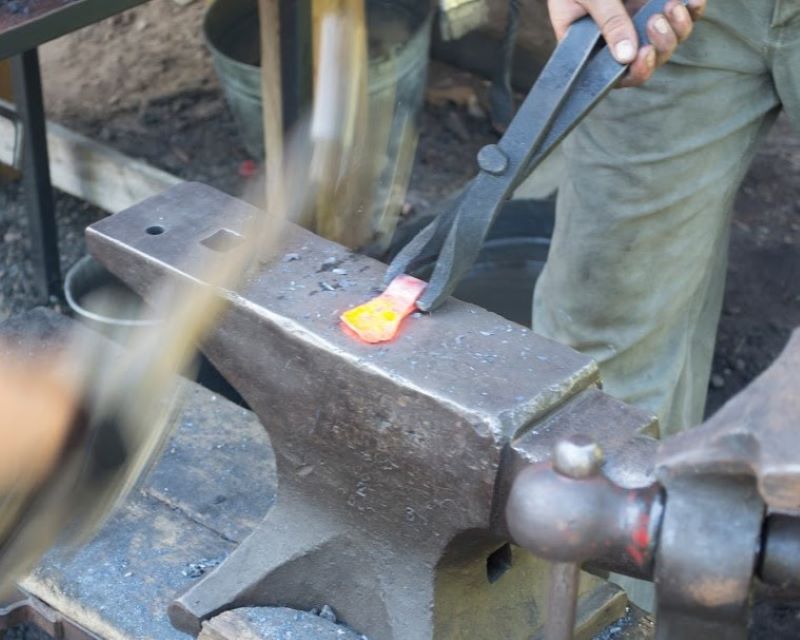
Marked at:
<point>394,462</point>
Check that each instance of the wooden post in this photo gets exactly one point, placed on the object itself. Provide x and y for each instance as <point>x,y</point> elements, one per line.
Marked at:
<point>344,211</point>
<point>271,90</point>
<point>7,94</point>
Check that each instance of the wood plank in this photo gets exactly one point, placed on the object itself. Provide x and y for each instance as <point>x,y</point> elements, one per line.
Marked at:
<point>88,169</point>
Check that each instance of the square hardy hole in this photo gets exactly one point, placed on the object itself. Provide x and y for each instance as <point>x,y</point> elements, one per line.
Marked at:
<point>223,240</point>
<point>498,563</point>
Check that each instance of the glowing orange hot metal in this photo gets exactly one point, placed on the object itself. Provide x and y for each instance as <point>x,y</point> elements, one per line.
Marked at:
<point>379,319</point>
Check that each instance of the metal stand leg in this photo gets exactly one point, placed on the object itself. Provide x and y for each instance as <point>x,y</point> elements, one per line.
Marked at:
<point>36,174</point>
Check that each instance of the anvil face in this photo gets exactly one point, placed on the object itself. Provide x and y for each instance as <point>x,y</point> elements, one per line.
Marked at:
<point>388,456</point>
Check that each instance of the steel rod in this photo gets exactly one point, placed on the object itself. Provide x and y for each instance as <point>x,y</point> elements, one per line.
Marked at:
<point>562,601</point>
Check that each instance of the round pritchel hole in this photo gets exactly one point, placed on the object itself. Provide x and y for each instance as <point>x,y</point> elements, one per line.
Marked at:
<point>155,230</point>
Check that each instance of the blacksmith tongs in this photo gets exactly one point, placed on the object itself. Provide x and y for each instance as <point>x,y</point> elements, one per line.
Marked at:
<point>578,75</point>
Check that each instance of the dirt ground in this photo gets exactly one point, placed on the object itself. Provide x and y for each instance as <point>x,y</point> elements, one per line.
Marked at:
<point>143,83</point>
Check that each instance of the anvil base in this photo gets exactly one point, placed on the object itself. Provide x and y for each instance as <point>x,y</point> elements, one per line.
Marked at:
<point>492,592</point>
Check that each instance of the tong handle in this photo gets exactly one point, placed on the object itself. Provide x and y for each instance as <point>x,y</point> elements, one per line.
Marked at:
<point>594,79</point>
<point>578,75</point>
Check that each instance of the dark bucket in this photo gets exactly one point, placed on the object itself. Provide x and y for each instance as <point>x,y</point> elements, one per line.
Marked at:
<point>89,283</point>
<point>505,273</point>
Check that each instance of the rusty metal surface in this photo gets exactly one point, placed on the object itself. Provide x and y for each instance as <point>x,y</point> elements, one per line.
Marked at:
<point>26,24</point>
<point>754,434</point>
<point>629,449</point>
<point>387,456</point>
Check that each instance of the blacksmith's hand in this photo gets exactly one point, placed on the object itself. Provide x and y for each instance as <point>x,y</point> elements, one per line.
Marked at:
<point>665,30</point>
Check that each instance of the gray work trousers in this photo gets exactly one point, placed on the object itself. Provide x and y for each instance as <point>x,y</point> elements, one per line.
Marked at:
<point>637,267</point>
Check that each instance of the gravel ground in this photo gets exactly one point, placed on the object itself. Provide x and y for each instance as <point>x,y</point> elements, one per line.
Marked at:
<point>16,270</point>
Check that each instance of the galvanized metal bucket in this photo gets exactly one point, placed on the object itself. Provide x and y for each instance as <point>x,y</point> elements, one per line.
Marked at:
<point>107,305</point>
<point>511,261</point>
<point>88,287</point>
<point>399,41</point>
<point>231,33</point>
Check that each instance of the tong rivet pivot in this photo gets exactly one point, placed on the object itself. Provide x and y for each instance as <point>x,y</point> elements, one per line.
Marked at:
<point>491,159</point>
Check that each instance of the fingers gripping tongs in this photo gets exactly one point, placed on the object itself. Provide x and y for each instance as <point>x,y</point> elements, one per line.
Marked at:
<point>579,74</point>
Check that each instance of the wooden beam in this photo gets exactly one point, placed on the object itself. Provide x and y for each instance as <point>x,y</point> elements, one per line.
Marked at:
<point>88,169</point>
